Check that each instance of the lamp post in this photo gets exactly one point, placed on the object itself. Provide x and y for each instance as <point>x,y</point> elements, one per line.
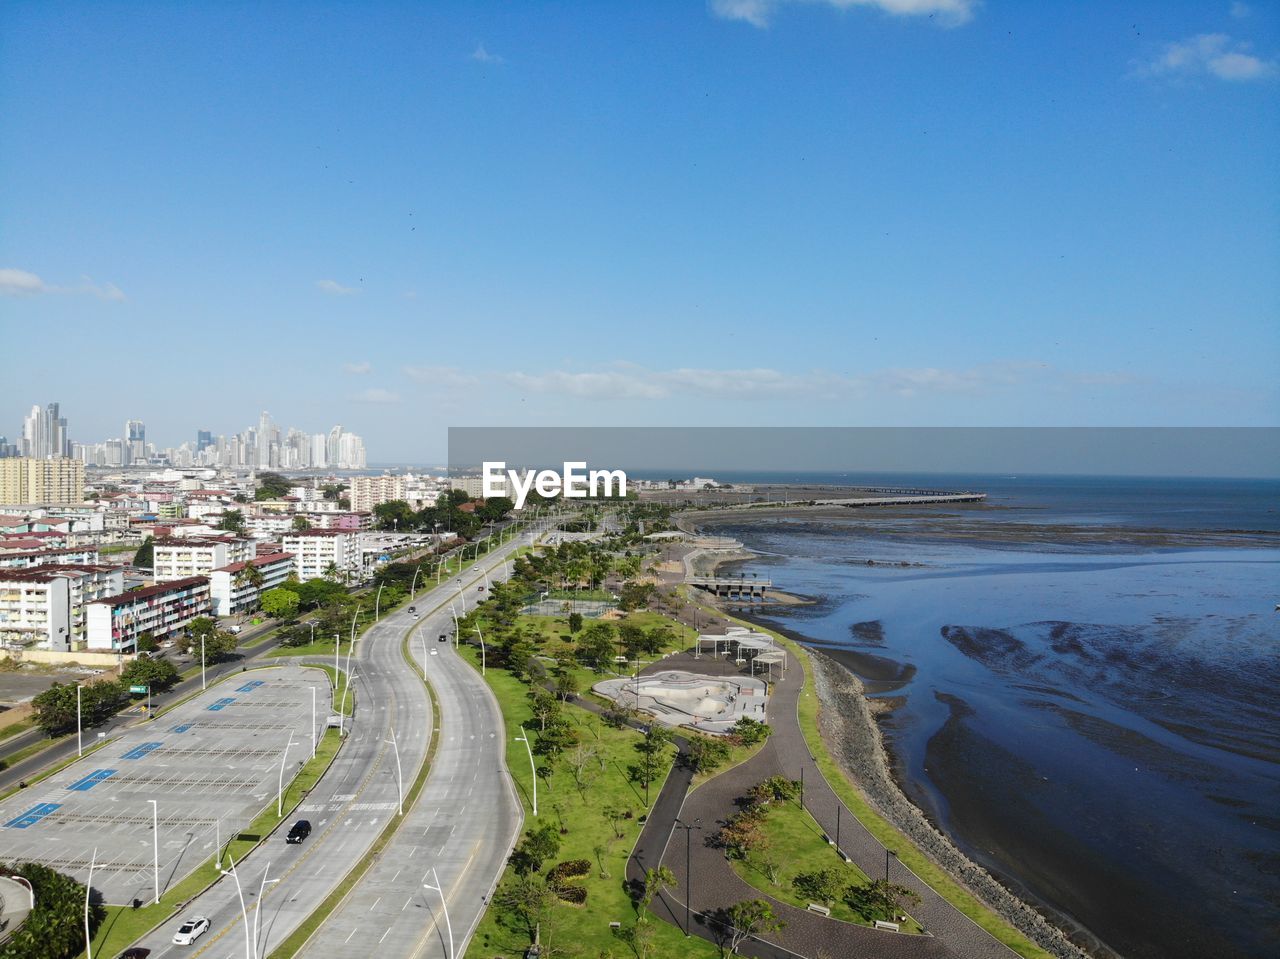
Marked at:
<point>248,943</point>
<point>688,869</point>
<point>342,707</point>
<point>280,779</point>
<point>217,839</point>
<point>888,902</point>
<point>399,776</point>
<point>462,596</point>
<point>79,735</point>
<point>155,847</point>
<point>377,603</point>
<point>443,902</point>
<point>413,589</point>
<point>482,653</point>
<point>533,771</point>
<point>456,627</point>
<point>262,888</point>
<point>353,626</point>
<point>88,887</point>
<point>314,737</point>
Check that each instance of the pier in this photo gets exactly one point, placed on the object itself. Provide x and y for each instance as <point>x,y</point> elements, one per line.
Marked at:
<point>733,587</point>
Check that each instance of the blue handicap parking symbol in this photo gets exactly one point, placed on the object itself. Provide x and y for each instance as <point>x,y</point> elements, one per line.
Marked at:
<point>220,704</point>
<point>91,780</point>
<point>32,815</point>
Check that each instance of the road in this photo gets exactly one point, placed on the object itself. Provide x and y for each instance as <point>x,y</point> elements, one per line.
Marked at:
<point>351,805</point>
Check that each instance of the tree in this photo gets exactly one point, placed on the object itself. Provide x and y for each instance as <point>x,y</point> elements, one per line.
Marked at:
<point>232,521</point>
<point>595,645</point>
<point>539,844</point>
<point>706,754</point>
<point>575,623</point>
<point>545,707</point>
<point>159,674</point>
<point>743,920</point>
<point>147,643</point>
<point>566,685</point>
<point>394,514</point>
<point>271,486</point>
<point>222,645</point>
<point>655,880</point>
<point>146,554</point>
<point>750,731</point>
<point>878,899</point>
<point>54,929</point>
<point>280,603</point>
<point>822,885</point>
<point>528,899</point>
<point>198,628</point>
<point>301,524</point>
<point>55,708</point>
<point>582,766</point>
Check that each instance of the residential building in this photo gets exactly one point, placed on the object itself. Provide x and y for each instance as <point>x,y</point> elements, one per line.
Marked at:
<point>318,551</point>
<point>115,623</point>
<point>26,479</point>
<point>232,592</point>
<point>366,492</point>
<point>44,557</point>
<point>180,558</point>
<point>45,605</point>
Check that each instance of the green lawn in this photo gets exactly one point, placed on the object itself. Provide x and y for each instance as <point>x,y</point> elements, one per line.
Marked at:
<point>14,728</point>
<point>580,931</point>
<point>878,826</point>
<point>798,845</point>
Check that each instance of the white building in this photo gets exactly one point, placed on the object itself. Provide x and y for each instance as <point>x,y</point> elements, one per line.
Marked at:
<point>193,556</point>
<point>366,492</point>
<point>268,525</point>
<point>115,623</point>
<point>45,606</point>
<point>45,557</point>
<point>231,592</point>
<point>316,551</point>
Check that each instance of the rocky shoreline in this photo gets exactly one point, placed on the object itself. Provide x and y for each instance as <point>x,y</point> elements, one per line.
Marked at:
<point>850,732</point>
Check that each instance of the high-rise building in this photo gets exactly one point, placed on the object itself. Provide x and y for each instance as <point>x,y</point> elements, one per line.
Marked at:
<point>204,439</point>
<point>366,492</point>
<point>44,433</point>
<point>135,441</point>
<point>25,479</point>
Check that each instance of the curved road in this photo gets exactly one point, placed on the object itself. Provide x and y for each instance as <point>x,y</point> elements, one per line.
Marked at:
<point>350,806</point>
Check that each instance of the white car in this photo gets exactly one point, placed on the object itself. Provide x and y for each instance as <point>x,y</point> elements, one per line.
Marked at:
<point>475,569</point>
<point>190,931</point>
<point>434,651</point>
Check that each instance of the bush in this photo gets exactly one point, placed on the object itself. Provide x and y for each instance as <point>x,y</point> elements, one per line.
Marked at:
<point>576,895</point>
<point>569,869</point>
<point>55,929</point>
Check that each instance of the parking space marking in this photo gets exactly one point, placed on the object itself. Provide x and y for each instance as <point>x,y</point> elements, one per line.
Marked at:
<point>32,815</point>
<point>220,704</point>
<point>137,752</point>
<point>91,780</point>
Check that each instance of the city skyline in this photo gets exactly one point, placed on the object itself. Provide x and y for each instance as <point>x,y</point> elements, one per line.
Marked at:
<point>804,216</point>
<point>46,434</point>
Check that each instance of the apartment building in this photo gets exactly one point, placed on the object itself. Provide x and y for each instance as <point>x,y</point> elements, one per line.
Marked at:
<point>45,606</point>
<point>115,623</point>
<point>232,592</point>
<point>179,558</point>
<point>366,492</point>
<point>25,559</point>
<point>317,551</point>
<point>24,479</point>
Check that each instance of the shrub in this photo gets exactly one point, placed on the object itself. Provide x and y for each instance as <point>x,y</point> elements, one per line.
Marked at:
<point>576,895</point>
<point>569,869</point>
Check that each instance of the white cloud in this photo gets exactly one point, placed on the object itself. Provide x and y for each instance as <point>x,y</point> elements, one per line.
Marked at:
<point>334,288</point>
<point>1207,54</point>
<point>358,369</point>
<point>1240,10</point>
<point>14,282</point>
<point>375,394</point>
<point>447,377</point>
<point>947,13</point>
<point>481,55</point>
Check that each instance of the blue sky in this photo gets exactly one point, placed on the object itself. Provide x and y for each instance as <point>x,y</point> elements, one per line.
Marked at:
<point>403,217</point>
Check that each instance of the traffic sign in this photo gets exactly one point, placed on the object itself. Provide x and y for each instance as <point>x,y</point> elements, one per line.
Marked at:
<point>140,690</point>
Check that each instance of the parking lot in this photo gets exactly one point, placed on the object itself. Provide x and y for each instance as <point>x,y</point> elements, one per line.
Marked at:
<point>210,765</point>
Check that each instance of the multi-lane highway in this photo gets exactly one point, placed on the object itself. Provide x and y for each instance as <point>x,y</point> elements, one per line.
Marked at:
<point>463,823</point>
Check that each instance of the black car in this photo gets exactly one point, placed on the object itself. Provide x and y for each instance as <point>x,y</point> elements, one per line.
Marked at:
<point>444,638</point>
<point>299,831</point>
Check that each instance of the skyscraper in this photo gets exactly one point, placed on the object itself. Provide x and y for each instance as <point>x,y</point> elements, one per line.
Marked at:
<point>44,433</point>
<point>135,441</point>
<point>204,439</point>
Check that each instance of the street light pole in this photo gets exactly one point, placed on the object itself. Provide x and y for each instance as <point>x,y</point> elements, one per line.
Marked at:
<point>462,596</point>
<point>399,776</point>
<point>262,888</point>
<point>482,653</point>
<point>456,627</point>
<point>377,603</point>
<point>280,779</point>
<point>88,887</point>
<point>888,902</point>
<point>248,943</point>
<point>314,737</point>
<point>203,684</point>
<point>688,869</point>
<point>79,735</point>
<point>533,771</point>
<point>443,902</point>
<point>155,847</point>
